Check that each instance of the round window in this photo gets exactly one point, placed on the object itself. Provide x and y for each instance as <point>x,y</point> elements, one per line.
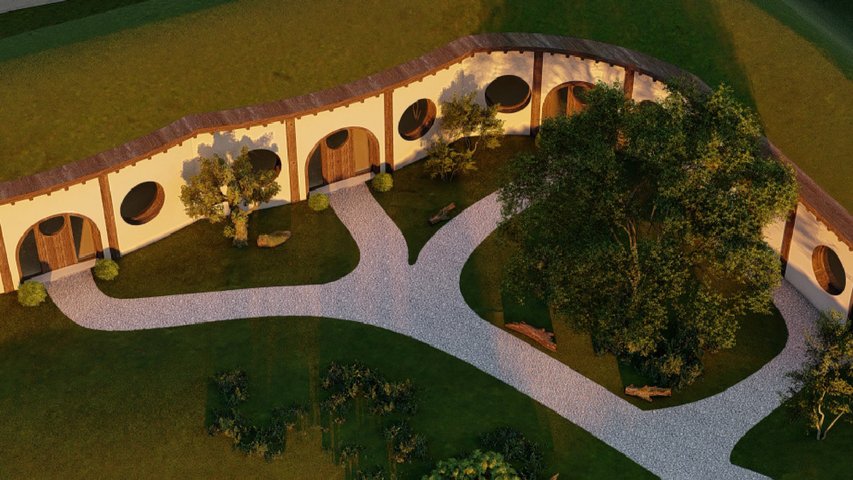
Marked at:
<point>52,226</point>
<point>142,203</point>
<point>509,92</point>
<point>337,139</point>
<point>263,160</point>
<point>417,119</point>
<point>828,270</point>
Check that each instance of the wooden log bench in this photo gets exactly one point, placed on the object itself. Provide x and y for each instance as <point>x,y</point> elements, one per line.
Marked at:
<point>538,335</point>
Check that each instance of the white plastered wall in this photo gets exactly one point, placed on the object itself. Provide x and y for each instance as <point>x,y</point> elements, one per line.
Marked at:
<point>310,129</point>
<point>471,74</point>
<point>82,199</point>
<point>774,233</point>
<point>809,233</point>
<point>171,168</point>
<point>558,69</point>
<point>647,88</point>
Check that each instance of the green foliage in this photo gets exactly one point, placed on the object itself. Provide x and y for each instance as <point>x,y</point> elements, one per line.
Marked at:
<point>463,119</point>
<point>643,224</point>
<point>382,182</point>
<point>31,293</point>
<point>403,444</point>
<point>524,455</point>
<point>826,378</point>
<point>266,441</point>
<point>106,269</point>
<point>224,190</point>
<point>318,202</point>
<point>479,465</point>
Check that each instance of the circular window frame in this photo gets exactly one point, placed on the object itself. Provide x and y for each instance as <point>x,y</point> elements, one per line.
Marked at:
<point>54,231</point>
<point>148,213</point>
<point>516,107</point>
<point>831,278</point>
<point>264,152</point>
<point>424,126</point>
<point>346,138</point>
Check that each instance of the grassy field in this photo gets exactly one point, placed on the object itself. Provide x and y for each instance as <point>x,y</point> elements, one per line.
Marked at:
<point>90,404</point>
<point>416,197</point>
<point>760,338</point>
<point>781,447</point>
<point>198,258</point>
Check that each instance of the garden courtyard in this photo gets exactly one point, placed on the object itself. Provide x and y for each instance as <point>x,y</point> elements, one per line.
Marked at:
<point>113,379</point>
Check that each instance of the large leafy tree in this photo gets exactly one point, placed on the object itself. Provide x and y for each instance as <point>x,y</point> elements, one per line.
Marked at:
<point>643,224</point>
<point>229,190</point>
<point>826,378</point>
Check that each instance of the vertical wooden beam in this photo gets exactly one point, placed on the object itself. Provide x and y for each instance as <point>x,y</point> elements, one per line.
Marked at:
<point>850,311</point>
<point>786,239</point>
<point>5,271</point>
<point>628,85</point>
<point>292,163</point>
<point>388,100</point>
<point>109,216</point>
<point>536,99</point>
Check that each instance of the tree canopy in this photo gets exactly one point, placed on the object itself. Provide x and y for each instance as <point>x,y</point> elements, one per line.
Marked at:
<point>229,190</point>
<point>478,465</point>
<point>642,224</point>
<point>473,125</point>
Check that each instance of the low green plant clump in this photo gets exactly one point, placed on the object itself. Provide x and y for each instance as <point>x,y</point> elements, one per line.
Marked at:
<point>266,441</point>
<point>318,202</point>
<point>479,465</point>
<point>382,182</point>
<point>106,269</point>
<point>523,454</point>
<point>31,293</point>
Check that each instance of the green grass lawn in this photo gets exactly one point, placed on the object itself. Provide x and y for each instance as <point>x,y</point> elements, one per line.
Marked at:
<point>91,404</point>
<point>781,447</point>
<point>199,258</point>
<point>416,197</point>
<point>760,338</point>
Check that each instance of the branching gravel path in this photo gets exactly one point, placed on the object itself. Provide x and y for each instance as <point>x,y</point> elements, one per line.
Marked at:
<point>423,301</point>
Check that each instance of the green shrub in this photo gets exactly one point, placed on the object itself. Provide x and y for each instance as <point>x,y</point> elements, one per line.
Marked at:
<point>106,269</point>
<point>382,182</point>
<point>520,452</point>
<point>318,202</point>
<point>31,293</point>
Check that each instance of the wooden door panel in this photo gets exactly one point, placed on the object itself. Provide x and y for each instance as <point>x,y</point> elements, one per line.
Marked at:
<point>56,251</point>
<point>338,163</point>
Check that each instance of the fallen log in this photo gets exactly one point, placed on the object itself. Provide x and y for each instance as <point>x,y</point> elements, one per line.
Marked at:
<point>647,392</point>
<point>538,335</point>
<point>443,215</point>
<point>273,239</point>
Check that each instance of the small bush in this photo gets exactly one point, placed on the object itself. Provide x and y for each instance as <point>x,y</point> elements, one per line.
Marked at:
<point>106,269</point>
<point>382,182</point>
<point>31,293</point>
<point>318,202</point>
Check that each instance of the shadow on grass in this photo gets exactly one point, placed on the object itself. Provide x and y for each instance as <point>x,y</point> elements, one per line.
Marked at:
<point>32,30</point>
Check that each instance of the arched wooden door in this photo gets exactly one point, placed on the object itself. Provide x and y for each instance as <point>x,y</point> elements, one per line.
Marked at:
<point>565,99</point>
<point>57,242</point>
<point>340,155</point>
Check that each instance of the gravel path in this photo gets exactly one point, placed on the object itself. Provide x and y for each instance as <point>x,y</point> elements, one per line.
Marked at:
<point>424,301</point>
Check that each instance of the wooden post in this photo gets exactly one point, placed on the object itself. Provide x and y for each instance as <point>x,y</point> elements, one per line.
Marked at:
<point>786,239</point>
<point>5,272</point>
<point>536,99</point>
<point>292,164</point>
<point>628,85</point>
<point>109,217</point>
<point>388,100</point>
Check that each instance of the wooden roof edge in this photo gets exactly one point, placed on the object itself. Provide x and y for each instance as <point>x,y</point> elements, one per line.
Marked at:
<point>373,85</point>
<point>821,204</point>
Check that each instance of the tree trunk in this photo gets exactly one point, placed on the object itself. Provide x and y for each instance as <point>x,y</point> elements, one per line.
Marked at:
<point>241,230</point>
<point>831,425</point>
